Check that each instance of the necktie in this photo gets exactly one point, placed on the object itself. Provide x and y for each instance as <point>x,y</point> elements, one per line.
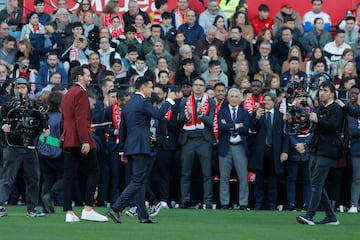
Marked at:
<point>268,128</point>
<point>233,114</point>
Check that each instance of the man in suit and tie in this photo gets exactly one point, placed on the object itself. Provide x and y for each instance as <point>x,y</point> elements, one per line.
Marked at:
<point>135,146</point>
<point>232,148</point>
<point>196,138</point>
<point>79,146</point>
<point>269,150</point>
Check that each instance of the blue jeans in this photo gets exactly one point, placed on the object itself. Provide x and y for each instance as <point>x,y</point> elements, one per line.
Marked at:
<point>293,169</point>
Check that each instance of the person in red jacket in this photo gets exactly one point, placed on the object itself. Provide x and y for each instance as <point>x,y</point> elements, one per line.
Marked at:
<point>262,20</point>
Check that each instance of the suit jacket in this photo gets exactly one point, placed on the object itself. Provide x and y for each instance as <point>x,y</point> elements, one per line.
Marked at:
<point>280,141</point>
<point>76,118</point>
<point>207,119</point>
<point>280,50</point>
<point>135,124</point>
<point>226,129</point>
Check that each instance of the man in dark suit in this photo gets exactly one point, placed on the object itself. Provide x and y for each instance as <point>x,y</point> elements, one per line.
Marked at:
<point>232,148</point>
<point>196,138</point>
<point>79,147</point>
<point>135,146</point>
<point>269,150</point>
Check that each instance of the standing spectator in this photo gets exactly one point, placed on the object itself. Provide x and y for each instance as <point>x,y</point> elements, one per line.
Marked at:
<point>262,20</point>
<point>309,17</point>
<point>207,17</point>
<point>286,9</point>
<point>13,156</point>
<point>39,9</point>
<point>193,31</point>
<point>134,10</point>
<point>12,15</point>
<point>233,148</point>
<point>324,151</point>
<point>318,37</point>
<point>270,149</point>
<point>196,138</point>
<point>79,147</point>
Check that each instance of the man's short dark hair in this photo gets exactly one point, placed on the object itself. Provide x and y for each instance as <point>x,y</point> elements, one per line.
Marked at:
<point>287,28</point>
<point>140,82</point>
<point>199,78</point>
<point>237,27</point>
<point>155,26</point>
<point>339,31</point>
<point>214,63</point>
<point>161,72</point>
<point>36,2</point>
<point>166,15</point>
<point>187,61</point>
<point>350,18</point>
<point>219,84</point>
<point>9,38</point>
<point>293,58</point>
<point>263,8</point>
<point>130,29</point>
<point>159,3</point>
<point>141,58</point>
<point>161,86</point>
<point>288,19</point>
<point>329,85</point>
<point>132,49</point>
<point>76,24</point>
<point>54,101</point>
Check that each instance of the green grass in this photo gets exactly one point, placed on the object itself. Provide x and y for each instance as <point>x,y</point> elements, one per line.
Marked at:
<point>179,224</point>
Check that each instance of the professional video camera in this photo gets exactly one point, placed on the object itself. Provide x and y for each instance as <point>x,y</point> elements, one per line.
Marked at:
<point>316,78</point>
<point>298,111</point>
<point>24,116</point>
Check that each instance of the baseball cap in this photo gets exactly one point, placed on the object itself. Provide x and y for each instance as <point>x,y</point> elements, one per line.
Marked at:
<point>21,81</point>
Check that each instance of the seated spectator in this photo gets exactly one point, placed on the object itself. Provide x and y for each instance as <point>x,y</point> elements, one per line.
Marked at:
<point>140,69</point>
<point>168,31</point>
<point>193,31</point>
<point>62,22</point>
<point>187,72</point>
<point>107,53</point>
<point>85,6</point>
<point>163,77</point>
<point>52,65</point>
<point>206,18</point>
<point>242,82</point>
<point>215,69</point>
<point>129,41</point>
<point>157,52</point>
<point>62,4</point>
<point>4,31</point>
<point>286,9</point>
<point>77,30</point>
<point>351,30</point>
<point>294,51</point>
<point>318,37</point>
<point>119,71</point>
<point>263,35</point>
<point>148,44</point>
<point>293,74</point>
<point>78,52</point>
<point>110,11</point>
<point>185,53</point>
<point>317,55</point>
<point>265,74</point>
<point>265,52</point>
<point>212,54</point>
<point>343,92</point>
<point>179,41</point>
<point>221,30</point>
<point>105,33</point>
<point>241,20</point>
<point>203,44</point>
<point>178,14</point>
<point>97,70</point>
<point>26,50</point>
<point>290,23</point>
<point>262,20</point>
<point>39,7</point>
<point>12,15</point>
<point>161,7</point>
<point>130,57</point>
<point>309,16</point>
<point>134,10</point>
<point>48,42</point>
<point>236,42</point>
<point>142,30</point>
<point>91,31</point>
<point>55,80</point>
<point>8,52</point>
<point>163,65</point>
<point>241,68</point>
<point>116,29</point>
<point>348,70</point>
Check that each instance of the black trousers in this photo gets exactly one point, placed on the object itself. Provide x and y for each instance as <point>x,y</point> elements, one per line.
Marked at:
<point>73,160</point>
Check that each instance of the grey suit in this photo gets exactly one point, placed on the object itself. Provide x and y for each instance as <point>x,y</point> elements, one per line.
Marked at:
<point>202,148</point>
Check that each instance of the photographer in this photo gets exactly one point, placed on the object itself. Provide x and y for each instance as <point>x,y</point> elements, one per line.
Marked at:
<point>325,148</point>
<point>21,125</point>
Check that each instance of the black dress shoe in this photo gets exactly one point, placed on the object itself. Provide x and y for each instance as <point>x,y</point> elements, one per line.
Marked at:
<point>149,220</point>
<point>113,215</point>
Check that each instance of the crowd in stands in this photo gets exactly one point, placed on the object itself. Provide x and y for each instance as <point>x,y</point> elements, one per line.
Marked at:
<point>201,51</point>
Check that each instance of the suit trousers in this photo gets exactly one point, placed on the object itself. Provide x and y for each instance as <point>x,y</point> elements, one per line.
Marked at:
<point>135,190</point>
<point>73,161</point>
<point>355,185</point>
<point>236,157</point>
<point>12,160</point>
<point>319,169</point>
<point>293,169</point>
<point>203,150</point>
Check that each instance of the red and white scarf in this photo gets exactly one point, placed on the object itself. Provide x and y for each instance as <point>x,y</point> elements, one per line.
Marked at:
<point>116,118</point>
<point>216,120</point>
<point>157,17</point>
<point>196,122</point>
<point>250,103</point>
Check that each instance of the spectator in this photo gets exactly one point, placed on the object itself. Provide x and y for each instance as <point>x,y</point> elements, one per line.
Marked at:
<point>212,54</point>
<point>62,4</point>
<point>262,20</point>
<point>294,51</point>
<point>294,74</point>
<point>179,41</point>
<point>140,69</point>
<point>193,31</point>
<point>116,29</point>
<point>85,6</point>
<point>4,31</point>
<point>12,15</point>
<point>187,72</point>
<point>230,7</point>
<point>110,11</point>
<point>263,35</point>
<point>236,43</point>
<point>178,14</point>
<point>215,69</point>
<point>185,53</point>
<point>97,70</point>
<point>351,30</point>
<point>34,26</point>
<point>265,74</point>
<point>148,44</point>
<point>161,7</point>
<point>265,50</point>
<point>241,19</point>
<point>27,51</point>
<point>39,9</point>
<point>318,37</point>
<point>142,30</point>
<point>134,10</point>
<point>77,52</point>
<point>221,31</point>
<point>355,46</point>
<point>203,44</point>
<point>207,17</point>
<point>290,23</point>
<point>348,70</point>
<point>130,57</point>
<point>157,52</point>
<point>129,41</point>
<point>62,22</point>
<point>309,17</point>
<point>107,53</point>
<point>168,31</point>
<point>8,52</point>
<point>317,55</point>
<point>286,9</point>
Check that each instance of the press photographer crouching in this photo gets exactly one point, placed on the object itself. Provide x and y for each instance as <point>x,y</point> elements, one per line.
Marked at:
<point>22,122</point>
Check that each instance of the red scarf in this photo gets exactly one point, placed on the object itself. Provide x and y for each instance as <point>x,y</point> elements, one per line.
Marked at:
<point>107,18</point>
<point>117,32</point>
<point>250,103</point>
<point>116,118</point>
<point>157,17</point>
<point>36,28</point>
<point>168,117</point>
<point>216,120</point>
<point>195,122</point>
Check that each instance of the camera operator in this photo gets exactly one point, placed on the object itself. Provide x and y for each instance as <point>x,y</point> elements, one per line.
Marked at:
<point>324,150</point>
<point>20,126</point>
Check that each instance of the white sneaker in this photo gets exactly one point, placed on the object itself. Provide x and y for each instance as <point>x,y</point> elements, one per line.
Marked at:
<point>71,217</point>
<point>155,210</point>
<point>353,209</point>
<point>164,205</point>
<point>131,212</point>
<point>92,215</point>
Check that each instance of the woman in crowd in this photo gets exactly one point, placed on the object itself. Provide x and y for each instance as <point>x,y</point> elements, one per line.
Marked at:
<point>34,26</point>
<point>264,35</point>
<point>294,51</point>
<point>142,30</point>
<point>163,65</point>
<point>85,6</point>
<point>348,70</point>
<point>241,19</point>
<point>221,33</point>
<point>212,53</point>
<point>316,55</point>
<point>12,15</point>
<point>111,10</point>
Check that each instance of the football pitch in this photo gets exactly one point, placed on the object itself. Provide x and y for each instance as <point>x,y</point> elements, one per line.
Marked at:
<point>179,224</point>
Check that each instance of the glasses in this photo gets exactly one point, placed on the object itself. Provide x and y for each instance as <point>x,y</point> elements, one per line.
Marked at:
<point>198,85</point>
